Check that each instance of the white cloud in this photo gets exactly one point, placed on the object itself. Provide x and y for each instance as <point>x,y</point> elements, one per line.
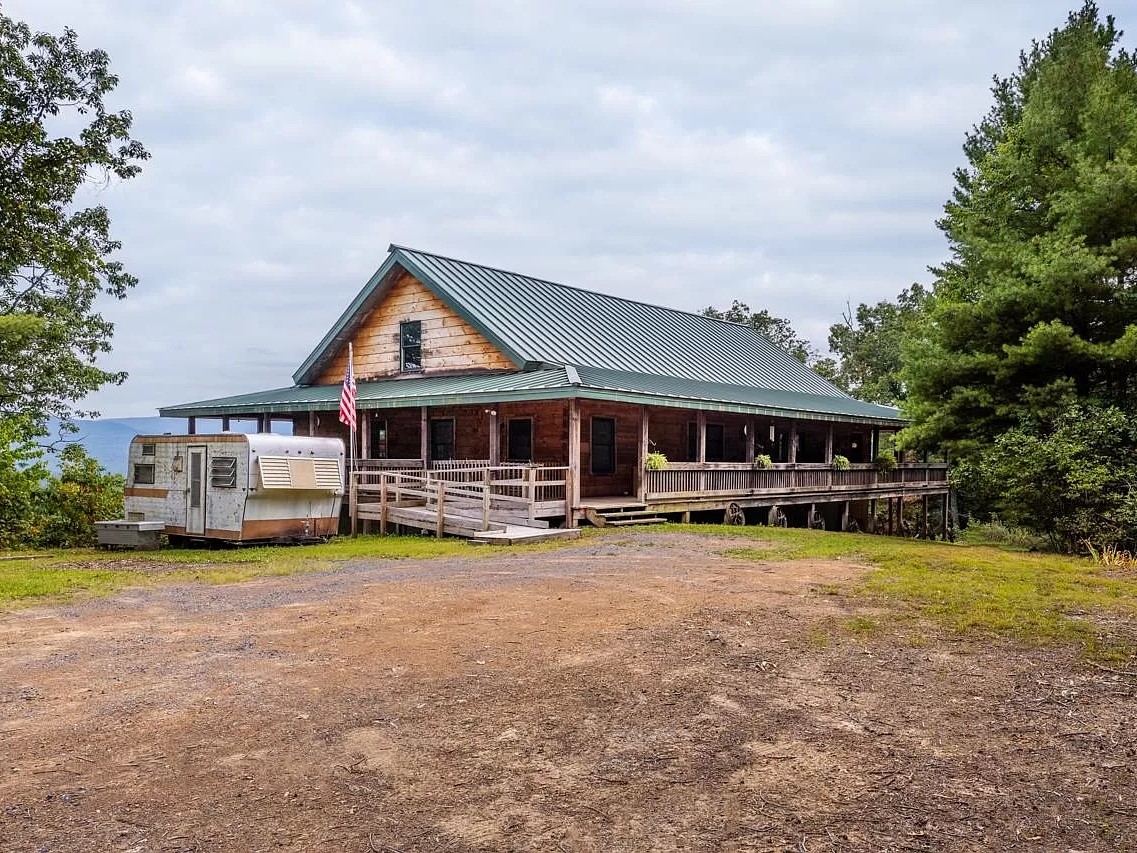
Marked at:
<point>794,156</point>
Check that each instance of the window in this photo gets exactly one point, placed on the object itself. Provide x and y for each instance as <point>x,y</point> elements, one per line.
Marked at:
<point>378,447</point>
<point>144,474</point>
<point>519,447</point>
<point>441,439</point>
<point>223,472</point>
<point>410,345</point>
<point>716,442</point>
<point>149,449</point>
<point>603,445</point>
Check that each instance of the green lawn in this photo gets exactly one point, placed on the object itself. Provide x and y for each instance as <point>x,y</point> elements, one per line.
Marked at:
<point>967,588</point>
<point>94,572</point>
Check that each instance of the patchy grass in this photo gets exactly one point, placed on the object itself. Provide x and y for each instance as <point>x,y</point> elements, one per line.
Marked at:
<point>968,589</point>
<point>1000,535</point>
<point>67,573</point>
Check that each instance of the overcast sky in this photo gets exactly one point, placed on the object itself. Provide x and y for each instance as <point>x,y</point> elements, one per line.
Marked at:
<point>791,155</point>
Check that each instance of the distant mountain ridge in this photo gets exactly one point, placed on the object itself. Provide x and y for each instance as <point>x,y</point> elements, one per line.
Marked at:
<point>108,439</point>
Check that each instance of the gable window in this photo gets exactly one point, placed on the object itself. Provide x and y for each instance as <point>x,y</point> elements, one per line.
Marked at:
<point>519,447</point>
<point>143,474</point>
<point>441,439</point>
<point>603,445</point>
<point>410,345</point>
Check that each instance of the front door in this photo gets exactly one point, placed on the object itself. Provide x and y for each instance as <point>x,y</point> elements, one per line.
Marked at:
<point>441,439</point>
<point>195,494</point>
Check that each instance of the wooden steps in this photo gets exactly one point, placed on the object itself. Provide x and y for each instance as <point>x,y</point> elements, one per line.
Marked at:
<point>516,534</point>
<point>621,516</point>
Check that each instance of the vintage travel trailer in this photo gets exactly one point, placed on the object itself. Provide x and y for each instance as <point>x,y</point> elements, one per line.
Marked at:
<point>235,487</point>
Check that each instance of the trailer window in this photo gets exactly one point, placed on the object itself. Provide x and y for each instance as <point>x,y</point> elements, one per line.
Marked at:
<point>223,472</point>
<point>149,449</point>
<point>144,474</point>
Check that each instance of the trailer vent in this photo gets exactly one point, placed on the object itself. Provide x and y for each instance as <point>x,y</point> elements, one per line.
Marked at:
<point>223,472</point>
<point>283,472</point>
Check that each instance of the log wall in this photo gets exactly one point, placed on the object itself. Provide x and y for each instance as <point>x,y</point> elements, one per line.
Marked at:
<point>449,343</point>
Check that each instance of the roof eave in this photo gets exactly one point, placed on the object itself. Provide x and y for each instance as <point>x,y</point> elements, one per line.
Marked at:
<point>220,409</point>
<point>372,293</point>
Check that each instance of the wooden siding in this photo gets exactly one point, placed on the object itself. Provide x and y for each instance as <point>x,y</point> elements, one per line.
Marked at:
<point>550,429</point>
<point>449,343</point>
<point>627,418</point>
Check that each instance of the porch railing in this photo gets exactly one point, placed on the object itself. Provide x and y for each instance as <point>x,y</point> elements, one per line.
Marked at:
<point>726,478</point>
<point>504,493</point>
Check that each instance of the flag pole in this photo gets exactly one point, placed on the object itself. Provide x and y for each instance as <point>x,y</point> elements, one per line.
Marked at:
<point>351,369</point>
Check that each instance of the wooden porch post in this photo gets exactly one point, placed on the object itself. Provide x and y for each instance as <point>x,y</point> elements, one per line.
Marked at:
<point>750,427</point>
<point>573,487</point>
<point>495,436</point>
<point>191,425</point>
<point>793,442</point>
<point>872,515</point>
<point>924,517</point>
<point>874,444</point>
<point>944,512</point>
<point>844,516</point>
<point>701,437</point>
<point>424,436</point>
<point>311,423</point>
<point>641,456</point>
<point>829,445</point>
<point>364,435</point>
<point>890,510</point>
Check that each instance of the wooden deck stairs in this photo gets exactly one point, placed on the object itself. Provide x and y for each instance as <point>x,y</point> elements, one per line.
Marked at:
<point>473,505</point>
<point>621,515</point>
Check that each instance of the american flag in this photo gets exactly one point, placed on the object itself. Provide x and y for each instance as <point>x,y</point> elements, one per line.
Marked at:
<point>347,396</point>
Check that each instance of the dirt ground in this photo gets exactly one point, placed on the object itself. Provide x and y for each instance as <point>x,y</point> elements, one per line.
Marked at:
<point>637,692</point>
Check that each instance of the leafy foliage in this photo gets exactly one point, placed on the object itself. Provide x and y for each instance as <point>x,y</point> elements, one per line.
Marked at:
<point>40,509</point>
<point>655,461</point>
<point>82,494</point>
<point>777,329</point>
<point>1076,482</point>
<point>56,257</point>
<point>868,346</point>
<point>1037,308</point>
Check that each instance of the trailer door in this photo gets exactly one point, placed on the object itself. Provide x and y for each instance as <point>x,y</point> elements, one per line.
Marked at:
<point>195,494</point>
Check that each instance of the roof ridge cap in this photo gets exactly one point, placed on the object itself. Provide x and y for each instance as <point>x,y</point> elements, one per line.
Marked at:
<point>395,246</point>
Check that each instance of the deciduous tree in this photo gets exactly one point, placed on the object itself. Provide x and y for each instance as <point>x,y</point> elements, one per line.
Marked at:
<point>56,256</point>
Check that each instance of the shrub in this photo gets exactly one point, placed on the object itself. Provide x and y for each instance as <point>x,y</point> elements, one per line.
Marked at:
<point>886,460</point>
<point>655,462</point>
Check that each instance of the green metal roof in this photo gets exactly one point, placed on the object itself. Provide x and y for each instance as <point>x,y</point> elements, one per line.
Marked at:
<point>537,322</point>
<point>550,383</point>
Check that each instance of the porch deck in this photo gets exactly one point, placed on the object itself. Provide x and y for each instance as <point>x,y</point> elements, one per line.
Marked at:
<point>471,497</point>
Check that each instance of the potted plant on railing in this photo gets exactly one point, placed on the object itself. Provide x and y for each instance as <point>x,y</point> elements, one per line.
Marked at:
<point>763,460</point>
<point>885,461</point>
<point>655,462</point>
<point>840,463</point>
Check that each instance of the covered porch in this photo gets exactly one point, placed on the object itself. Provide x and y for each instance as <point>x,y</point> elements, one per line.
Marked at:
<point>556,462</point>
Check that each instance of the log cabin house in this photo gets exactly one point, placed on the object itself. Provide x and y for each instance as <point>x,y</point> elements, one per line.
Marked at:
<point>552,397</point>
